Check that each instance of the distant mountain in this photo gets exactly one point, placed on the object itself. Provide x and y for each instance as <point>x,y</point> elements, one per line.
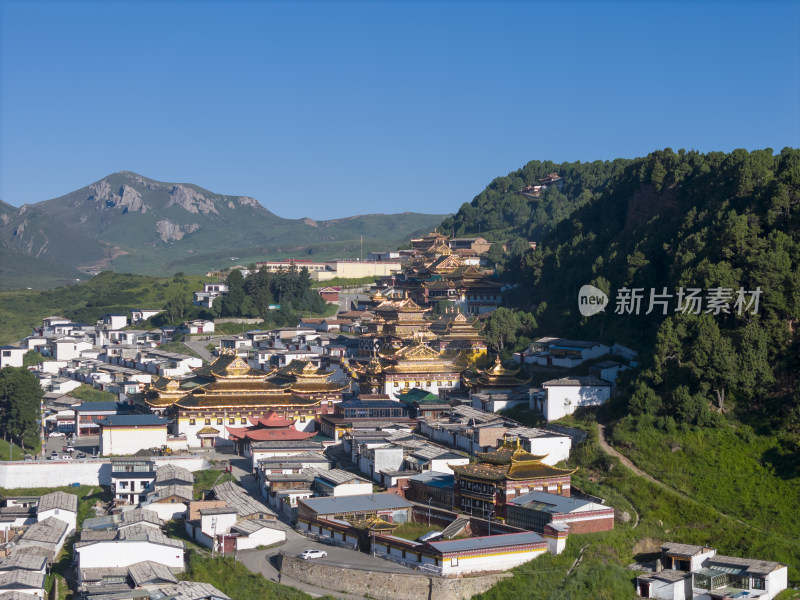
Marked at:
<point>126,222</point>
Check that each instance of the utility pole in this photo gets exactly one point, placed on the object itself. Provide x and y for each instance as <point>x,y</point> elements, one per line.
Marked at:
<point>361,253</point>
<point>430,499</point>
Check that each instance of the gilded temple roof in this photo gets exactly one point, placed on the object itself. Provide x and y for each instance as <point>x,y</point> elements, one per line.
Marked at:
<point>229,366</point>
<point>510,461</point>
<point>497,376</point>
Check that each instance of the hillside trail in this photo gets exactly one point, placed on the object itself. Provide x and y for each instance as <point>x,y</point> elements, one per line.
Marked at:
<point>606,447</point>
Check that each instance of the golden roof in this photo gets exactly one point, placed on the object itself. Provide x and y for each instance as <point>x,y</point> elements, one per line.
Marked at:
<point>497,376</point>
<point>309,387</point>
<point>402,305</point>
<point>229,366</point>
<point>516,470</point>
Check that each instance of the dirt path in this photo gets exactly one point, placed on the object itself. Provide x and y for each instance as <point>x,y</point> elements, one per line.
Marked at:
<point>576,563</point>
<point>601,438</point>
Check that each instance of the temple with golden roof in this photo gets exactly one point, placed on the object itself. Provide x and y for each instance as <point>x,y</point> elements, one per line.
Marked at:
<point>307,381</point>
<point>397,321</point>
<point>486,486</point>
<point>457,333</point>
<point>413,366</point>
<point>228,392</point>
<point>496,378</point>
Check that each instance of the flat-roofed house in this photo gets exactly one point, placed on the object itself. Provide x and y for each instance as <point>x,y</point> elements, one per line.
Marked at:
<point>698,572</point>
<point>564,396</point>
<point>127,434</point>
<point>534,510</point>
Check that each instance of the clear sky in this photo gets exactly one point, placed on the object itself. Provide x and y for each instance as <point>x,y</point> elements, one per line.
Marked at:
<point>328,109</point>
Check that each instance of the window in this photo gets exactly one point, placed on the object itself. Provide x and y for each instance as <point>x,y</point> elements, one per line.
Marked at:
<point>244,421</point>
<point>231,421</point>
<point>759,583</point>
<point>191,421</point>
<point>208,421</point>
<point>219,421</point>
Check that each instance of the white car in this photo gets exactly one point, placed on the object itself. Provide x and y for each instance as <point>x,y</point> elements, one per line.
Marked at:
<point>66,457</point>
<point>57,434</point>
<point>313,553</point>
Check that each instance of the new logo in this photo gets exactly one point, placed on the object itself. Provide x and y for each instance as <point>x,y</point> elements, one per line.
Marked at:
<point>591,300</point>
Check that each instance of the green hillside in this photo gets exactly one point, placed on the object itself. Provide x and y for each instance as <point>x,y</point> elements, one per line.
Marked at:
<point>21,310</point>
<point>128,223</point>
<point>714,409</point>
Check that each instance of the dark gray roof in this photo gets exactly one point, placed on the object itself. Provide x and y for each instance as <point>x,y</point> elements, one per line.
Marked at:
<point>554,503</point>
<point>684,549</point>
<point>132,421</point>
<point>486,542</point>
<point>60,500</point>
<point>237,498</point>
<point>435,479</point>
<point>29,561</point>
<point>48,531</point>
<point>360,503</point>
<point>752,566</point>
<point>149,573</point>
<point>220,510</point>
<point>670,575</point>
<point>21,579</point>
<point>192,590</point>
<point>585,380</point>
<point>112,407</point>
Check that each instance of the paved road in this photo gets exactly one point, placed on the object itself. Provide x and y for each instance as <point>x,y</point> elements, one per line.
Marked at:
<point>199,346</point>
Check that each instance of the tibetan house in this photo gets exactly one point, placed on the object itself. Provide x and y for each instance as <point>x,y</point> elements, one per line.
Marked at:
<point>504,474</point>
<point>414,366</point>
<point>270,427</point>
<point>495,379</point>
<point>230,393</point>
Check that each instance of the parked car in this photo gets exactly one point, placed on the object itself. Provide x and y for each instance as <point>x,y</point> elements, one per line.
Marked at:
<point>57,434</point>
<point>68,449</point>
<point>81,455</point>
<point>53,455</point>
<point>313,553</point>
<point>66,457</point>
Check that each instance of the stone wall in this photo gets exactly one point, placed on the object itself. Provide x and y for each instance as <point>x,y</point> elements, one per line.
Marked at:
<point>387,586</point>
<point>87,471</point>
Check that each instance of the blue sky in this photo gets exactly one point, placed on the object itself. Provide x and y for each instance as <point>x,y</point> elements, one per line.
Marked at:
<point>329,109</point>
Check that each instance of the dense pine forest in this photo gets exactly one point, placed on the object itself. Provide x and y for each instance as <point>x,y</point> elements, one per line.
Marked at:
<point>713,411</point>
<point>666,222</point>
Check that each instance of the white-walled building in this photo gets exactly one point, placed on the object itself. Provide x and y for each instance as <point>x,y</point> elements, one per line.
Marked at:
<point>127,434</point>
<point>11,356</point>
<point>566,395</point>
<point>61,506</point>
<point>131,545</point>
<point>699,573</point>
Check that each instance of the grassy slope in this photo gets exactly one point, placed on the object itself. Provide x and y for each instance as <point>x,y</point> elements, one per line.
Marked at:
<point>768,530</point>
<point>21,310</point>
<point>235,580</point>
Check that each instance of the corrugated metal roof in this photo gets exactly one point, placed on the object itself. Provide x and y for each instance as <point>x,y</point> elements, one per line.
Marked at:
<point>359,503</point>
<point>487,542</point>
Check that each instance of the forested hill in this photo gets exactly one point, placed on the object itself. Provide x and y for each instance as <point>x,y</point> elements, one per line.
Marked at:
<point>501,212</point>
<point>685,220</point>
